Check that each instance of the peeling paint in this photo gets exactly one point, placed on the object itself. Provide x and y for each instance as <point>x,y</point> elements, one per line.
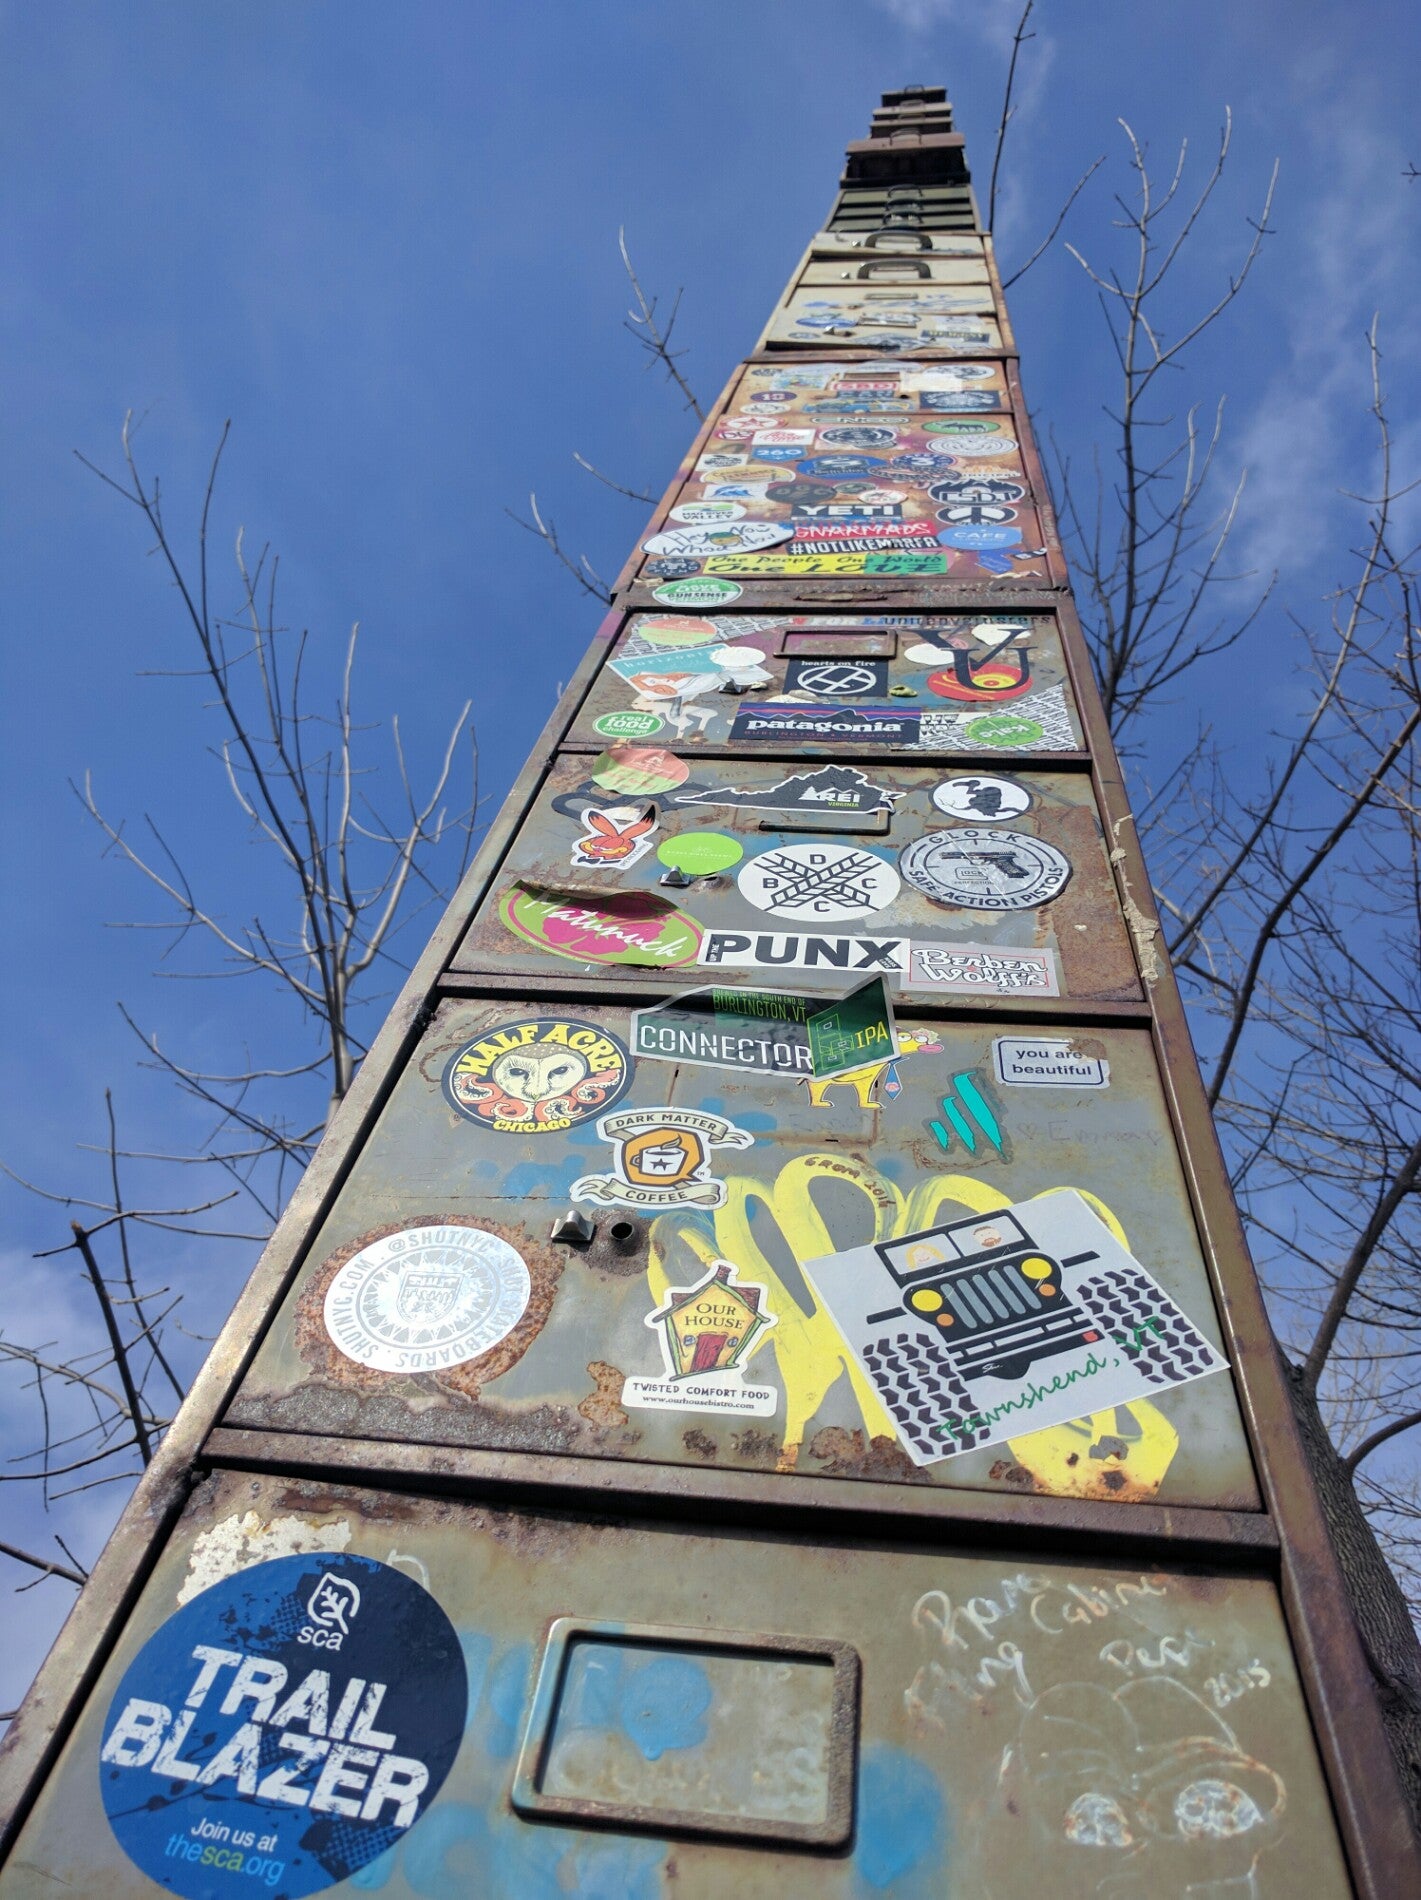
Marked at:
<point>235,1543</point>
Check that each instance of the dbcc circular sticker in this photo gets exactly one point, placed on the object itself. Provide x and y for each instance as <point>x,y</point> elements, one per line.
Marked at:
<point>427,1298</point>
<point>537,1076</point>
<point>283,1729</point>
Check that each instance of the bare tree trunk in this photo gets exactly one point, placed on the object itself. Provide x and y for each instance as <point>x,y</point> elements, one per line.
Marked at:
<point>1383,1619</point>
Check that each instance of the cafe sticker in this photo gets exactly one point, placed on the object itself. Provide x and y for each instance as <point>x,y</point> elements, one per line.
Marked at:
<point>707,1333</point>
<point>661,1158</point>
<point>283,1729</point>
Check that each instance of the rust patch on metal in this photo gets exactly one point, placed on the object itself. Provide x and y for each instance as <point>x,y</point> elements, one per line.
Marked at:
<point>1096,959</point>
<point>700,1444</point>
<point>756,1447</point>
<point>1007,1471</point>
<point>844,1454</point>
<point>328,1364</point>
<point>603,1406</point>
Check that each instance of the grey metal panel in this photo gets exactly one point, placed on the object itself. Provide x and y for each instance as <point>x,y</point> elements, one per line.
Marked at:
<point>1025,1723</point>
<point>829,1166</point>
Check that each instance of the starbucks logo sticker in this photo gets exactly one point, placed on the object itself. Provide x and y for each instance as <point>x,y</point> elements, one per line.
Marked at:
<point>283,1729</point>
<point>426,1298</point>
<point>538,1076</point>
<point>981,869</point>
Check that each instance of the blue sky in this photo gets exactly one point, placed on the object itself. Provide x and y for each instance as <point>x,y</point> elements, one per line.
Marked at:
<point>383,241</point>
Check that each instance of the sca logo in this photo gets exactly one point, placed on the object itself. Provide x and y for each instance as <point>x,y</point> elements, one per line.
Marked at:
<point>330,1607</point>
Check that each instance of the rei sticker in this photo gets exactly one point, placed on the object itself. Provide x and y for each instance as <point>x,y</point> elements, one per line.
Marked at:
<point>427,1298</point>
<point>707,1332</point>
<point>538,1076</point>
<point>283,1729</point>
<point>661,1158</point>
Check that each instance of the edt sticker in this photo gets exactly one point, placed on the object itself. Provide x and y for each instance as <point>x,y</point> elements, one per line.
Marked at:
<point>284,1729</point>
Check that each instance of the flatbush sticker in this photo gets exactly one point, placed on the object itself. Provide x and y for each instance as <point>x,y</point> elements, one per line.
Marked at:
<point>707,1333</point>
<point>635,927</point>
<point>1004,1323</point>
<point>427,1298</point>
<point>983,969</point>
<point>283,1729</point>
<point>537,1076</point>
<point>1045,1062</point>
<point>661,1158</point>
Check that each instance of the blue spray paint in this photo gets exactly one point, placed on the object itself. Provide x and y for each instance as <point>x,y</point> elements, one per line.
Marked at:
<point>903,1834</point>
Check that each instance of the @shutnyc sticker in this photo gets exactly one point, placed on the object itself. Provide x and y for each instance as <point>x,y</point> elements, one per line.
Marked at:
<point>707,1333</point>
<point>819,883</point>
<point>981,869</point>
<point>426,1298</point>
<point>284,1728</point>
<point>537,1076</point>
<point>661,1157</point>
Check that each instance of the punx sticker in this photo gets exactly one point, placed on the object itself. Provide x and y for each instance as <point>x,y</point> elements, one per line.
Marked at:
<point>981,969</point>
<point>819,882</point>
<point>1006,1322</point>
<point>707,1333</point>
<point>537,1076</point>
<point>661,1158</point>
<point>778,950</point>
<point>979,868</point>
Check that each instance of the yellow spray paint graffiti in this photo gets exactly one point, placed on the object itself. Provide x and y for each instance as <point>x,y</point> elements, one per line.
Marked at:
<point>812,1356</point>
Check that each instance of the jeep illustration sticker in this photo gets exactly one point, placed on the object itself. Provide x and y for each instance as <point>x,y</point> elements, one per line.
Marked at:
<point>1003,1323</point>
<point>538,1076</point>
<point>283,1729</point>
<point>426,1298</point>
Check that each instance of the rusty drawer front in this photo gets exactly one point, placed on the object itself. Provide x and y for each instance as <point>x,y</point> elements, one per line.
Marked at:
<point>955,320</point>
<point>850,855</point>
<point>863,274</point>
<point>891,241</point>
<point>1018,1725</point>
<point>987,685</point>
<point>875,469</point>
<point>774,1171</point>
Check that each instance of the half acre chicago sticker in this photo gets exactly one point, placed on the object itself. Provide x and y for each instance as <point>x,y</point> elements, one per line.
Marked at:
<point>426,1298</point>
<point>283,1729</point>
<point>537,1076</point>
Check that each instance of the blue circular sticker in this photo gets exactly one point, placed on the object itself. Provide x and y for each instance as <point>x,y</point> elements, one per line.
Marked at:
<point>283,1729</point>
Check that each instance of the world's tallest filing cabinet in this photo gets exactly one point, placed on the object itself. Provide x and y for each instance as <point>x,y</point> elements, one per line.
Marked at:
<point>761,1390</point>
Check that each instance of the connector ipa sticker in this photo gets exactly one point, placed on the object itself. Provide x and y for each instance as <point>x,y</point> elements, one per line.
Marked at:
<point>707,1332</point>
<point>997,1325</point>
<point>661,1158</point>
<point>426,1298</point>
<point>283,1729</point>
<point>538,1076</point>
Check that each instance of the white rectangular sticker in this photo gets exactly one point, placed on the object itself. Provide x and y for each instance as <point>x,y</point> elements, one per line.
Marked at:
<point>1000,1324</point>
<point>1045,1062</point>
<point>774,950</point>
<point>983,969</point>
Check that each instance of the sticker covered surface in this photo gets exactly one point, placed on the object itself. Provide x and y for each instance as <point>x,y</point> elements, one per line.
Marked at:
<point>703,1307</point>
<point>899,468</point>
<point>1025,1724</point>
<point>948,882</point>
<point>990,683</point>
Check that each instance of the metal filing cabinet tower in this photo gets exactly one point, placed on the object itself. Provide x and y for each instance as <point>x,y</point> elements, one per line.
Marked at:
<point>681,1440</point>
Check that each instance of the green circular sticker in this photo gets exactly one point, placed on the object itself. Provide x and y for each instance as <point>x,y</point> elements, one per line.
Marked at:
<point>702,592</point>
<point>1000,730</point>
<point>701,853</point>
<point>627,725</point>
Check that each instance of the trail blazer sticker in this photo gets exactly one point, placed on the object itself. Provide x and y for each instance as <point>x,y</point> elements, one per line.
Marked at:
<point>1006,1322</point>
<point>707,1333</point>
<point>283,1729</point>
<point>426,1298</point>
<point>1045,1063</point>
<point>661,1159</point>
<point>537,1076</point>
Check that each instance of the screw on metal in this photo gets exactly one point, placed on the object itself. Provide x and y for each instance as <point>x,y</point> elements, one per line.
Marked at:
<point>573,1229</point>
